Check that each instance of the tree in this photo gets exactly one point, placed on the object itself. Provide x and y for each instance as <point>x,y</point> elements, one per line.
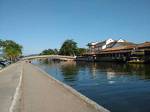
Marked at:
<point>11,49</point>
<point>81,51</point>
<point>56,51</point>
<point>49,52</point>
<point>69,47</point>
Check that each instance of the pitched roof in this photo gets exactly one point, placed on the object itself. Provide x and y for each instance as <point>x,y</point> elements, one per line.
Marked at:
<point>143,45</point>
<point>127,47</point>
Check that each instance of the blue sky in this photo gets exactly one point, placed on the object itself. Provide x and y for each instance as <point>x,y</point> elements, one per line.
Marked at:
<point>42,24</point>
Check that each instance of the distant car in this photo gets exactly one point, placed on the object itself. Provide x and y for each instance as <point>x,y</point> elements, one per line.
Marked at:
<point>5,63</point>
<point>2,65</point>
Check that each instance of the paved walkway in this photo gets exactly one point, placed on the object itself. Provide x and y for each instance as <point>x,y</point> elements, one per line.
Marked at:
<point>39,92</point>
<point>9,79</point>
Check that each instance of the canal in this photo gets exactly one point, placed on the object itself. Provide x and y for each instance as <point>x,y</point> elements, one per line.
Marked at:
<point>117,87</point>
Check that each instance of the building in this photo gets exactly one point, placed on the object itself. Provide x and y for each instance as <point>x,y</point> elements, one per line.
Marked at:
<point>96,47</point>
<point>117,50</point>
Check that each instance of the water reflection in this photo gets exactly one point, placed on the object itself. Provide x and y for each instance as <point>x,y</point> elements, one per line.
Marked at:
<point>113,69</point>
<point>69,71</point>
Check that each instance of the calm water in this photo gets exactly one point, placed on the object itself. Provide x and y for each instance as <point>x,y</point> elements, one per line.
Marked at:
<point>117,87</point>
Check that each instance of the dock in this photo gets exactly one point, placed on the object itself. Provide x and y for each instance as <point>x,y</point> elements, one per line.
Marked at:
<point>26,88</point>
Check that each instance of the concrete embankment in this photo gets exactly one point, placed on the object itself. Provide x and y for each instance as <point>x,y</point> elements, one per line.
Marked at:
<point>42,93</point>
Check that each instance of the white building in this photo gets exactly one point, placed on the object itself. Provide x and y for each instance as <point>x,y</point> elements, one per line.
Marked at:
<point>95,47</point>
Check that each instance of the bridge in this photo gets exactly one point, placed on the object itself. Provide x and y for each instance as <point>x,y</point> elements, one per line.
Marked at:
<point>55,57</point>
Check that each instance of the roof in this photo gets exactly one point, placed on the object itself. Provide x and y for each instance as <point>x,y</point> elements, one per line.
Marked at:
<point>92,43</point>
<point>101,43</point>
<point>127,47</point>
<point>110,45</point>
<point>121,40</point>
<point>143,45</point>
<point>119,44</point>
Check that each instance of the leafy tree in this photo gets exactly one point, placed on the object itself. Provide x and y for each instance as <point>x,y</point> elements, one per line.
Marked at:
<point>69,47</point>
<point>56,51</point>
<point>81,51</point>
<point>11,49</point>
<point>49,52</point>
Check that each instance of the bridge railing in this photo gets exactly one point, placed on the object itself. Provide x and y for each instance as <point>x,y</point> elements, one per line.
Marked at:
<point>49,56</point>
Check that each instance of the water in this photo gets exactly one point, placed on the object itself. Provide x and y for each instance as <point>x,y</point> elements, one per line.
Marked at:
<point>117,87</point>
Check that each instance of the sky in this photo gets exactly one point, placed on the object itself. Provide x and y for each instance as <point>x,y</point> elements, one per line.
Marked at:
<point>43,24</point>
